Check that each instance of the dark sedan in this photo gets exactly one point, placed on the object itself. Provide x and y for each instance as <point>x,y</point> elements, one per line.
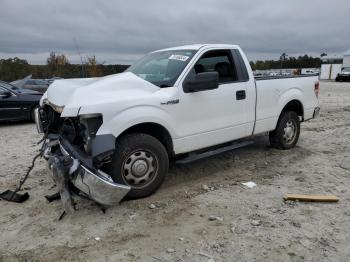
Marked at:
<point>17,103</point>
<point>344,75</point>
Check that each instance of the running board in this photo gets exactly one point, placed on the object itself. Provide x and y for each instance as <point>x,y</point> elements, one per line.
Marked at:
<point>196,156</point>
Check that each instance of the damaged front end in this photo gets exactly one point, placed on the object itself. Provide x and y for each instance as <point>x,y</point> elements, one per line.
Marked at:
<point>77,155</point>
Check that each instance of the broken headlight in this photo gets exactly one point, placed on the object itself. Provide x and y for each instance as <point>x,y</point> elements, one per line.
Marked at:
<point>89,125</point>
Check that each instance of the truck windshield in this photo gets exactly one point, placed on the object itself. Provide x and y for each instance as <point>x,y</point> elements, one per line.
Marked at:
<point>162,68</point>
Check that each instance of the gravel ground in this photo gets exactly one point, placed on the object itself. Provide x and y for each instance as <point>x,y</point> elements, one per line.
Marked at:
<point>202,212</point>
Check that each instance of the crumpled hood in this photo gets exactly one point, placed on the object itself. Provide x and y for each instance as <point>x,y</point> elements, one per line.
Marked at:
<point>76,93</point>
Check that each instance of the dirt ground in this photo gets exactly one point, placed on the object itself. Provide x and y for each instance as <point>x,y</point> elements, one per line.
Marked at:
<point>202,212</point>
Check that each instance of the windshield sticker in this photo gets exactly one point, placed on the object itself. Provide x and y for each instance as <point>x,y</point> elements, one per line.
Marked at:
<point>179,57</point>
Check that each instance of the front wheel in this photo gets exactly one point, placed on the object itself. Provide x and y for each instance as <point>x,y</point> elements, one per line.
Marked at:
<point>141,162</point>
<point>286,134</point>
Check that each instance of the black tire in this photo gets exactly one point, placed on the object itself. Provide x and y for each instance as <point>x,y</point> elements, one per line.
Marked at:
<point>282,137</point>
<point>134,154</point>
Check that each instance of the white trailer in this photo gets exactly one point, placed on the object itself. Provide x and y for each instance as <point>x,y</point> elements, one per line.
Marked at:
<point>346,59</point>
<point>331,66</point>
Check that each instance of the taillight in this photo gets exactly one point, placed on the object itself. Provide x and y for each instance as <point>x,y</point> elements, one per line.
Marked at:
<point>317,88</point>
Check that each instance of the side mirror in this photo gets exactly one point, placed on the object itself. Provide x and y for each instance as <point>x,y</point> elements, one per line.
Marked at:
<point>201,82</point>
<point>5,94</point>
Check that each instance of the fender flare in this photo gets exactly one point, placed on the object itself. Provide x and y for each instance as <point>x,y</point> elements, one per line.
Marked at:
<point>137,115</point>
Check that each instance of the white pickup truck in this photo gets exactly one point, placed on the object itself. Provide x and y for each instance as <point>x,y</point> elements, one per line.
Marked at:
<point>118,133</point>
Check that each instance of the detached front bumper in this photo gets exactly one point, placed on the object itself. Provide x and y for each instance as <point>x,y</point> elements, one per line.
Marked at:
<point>81,172</point>
<point>97,185</point>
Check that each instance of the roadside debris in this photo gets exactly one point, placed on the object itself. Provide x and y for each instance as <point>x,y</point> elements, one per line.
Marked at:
<point>132,216</point>
<point>205,255</point>
<point>214,218</point>
<point>13,196</point>
<point>255,223</point>
<point>311,198</point>
<point>205,187</point>
<point>53,197</point>
<point>249,184</point>
<point>152,206</point>
<point>170,250</point>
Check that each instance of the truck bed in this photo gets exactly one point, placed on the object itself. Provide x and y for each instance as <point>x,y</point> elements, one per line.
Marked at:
<point>281,77</point>
<point>274,92</point>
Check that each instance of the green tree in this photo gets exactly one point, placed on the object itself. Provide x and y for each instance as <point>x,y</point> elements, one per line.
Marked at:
<point>92,67</point>
<point>288,62</point>
<point>13,68</point>
<point>57,64</point>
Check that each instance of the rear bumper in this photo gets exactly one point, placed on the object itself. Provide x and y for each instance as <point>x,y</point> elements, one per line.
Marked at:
<point>96,184</point>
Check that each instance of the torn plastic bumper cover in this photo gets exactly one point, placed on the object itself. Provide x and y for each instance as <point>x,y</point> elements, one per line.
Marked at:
<point>96,184</point>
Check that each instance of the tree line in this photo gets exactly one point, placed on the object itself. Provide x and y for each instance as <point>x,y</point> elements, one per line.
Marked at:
<point>57,65</point>
<point>288,62</point>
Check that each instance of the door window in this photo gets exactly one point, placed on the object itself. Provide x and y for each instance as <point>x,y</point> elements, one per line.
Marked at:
<point>219,61</point>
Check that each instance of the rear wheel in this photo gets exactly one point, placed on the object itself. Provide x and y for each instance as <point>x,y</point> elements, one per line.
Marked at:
<point>286,134</point>
<point>141,162</point>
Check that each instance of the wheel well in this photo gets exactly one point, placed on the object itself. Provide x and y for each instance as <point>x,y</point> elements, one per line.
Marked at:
<point>296,106</point>
<point>155,130</point>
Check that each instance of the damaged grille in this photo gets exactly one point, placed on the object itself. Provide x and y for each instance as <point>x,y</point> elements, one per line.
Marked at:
<point>78,131</point>
<point>68,128</point>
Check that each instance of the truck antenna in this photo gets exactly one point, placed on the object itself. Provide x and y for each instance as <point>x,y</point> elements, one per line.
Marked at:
<point>81,59</point>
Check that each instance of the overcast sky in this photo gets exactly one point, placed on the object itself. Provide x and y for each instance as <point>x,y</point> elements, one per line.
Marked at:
<point>122,31</point>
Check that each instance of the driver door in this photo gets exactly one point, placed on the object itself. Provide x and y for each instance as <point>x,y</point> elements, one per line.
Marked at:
<point>211,117</point>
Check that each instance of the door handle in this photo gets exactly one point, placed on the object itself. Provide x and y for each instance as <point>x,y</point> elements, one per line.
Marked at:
<point>240,94</point>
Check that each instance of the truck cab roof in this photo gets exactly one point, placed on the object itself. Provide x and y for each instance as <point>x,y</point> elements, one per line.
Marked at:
<point>199,46</point>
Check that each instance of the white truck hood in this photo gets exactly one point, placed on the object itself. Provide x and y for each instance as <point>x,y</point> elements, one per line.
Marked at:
<point>73,94</point>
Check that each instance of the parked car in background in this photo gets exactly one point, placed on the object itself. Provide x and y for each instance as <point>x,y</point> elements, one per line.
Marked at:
<point>17,103</point>
<point>344,75</point>
<point>309,72</point>
<point>50,80</point>
<point>39,85</point>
